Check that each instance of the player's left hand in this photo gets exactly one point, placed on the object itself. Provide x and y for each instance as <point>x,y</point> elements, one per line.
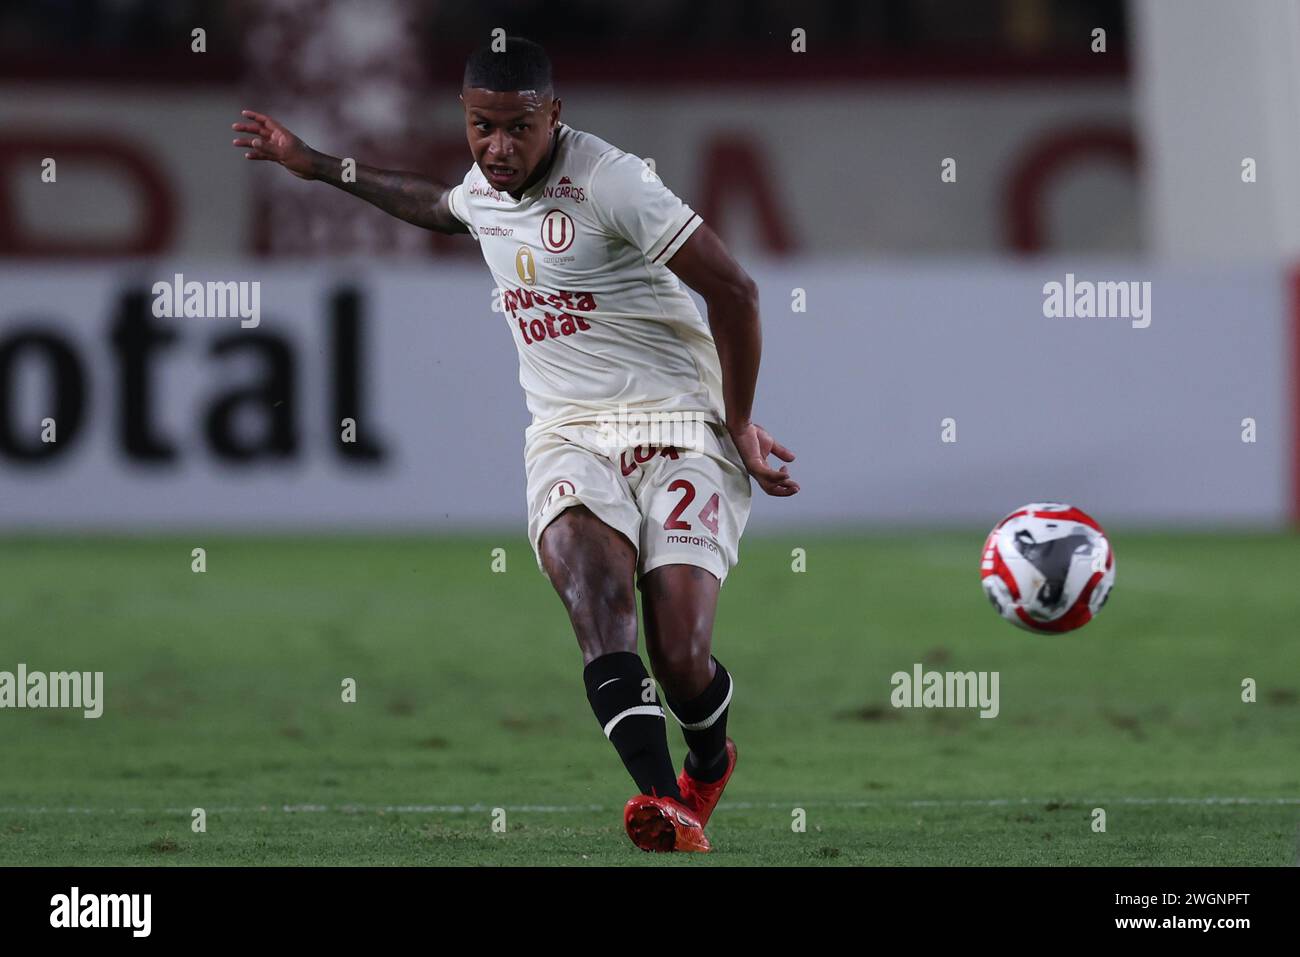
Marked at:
<point>754,445</point>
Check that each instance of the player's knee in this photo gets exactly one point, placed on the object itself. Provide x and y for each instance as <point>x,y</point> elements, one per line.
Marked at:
<point>681,659</point>
<point>597,593</point>
<point>603,613</point>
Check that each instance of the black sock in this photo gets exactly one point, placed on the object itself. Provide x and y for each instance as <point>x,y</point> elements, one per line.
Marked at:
<point>616,686</point>
<point>704,726</point>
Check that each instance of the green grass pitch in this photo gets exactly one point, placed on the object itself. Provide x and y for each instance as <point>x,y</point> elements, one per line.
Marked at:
<point>222,692</point>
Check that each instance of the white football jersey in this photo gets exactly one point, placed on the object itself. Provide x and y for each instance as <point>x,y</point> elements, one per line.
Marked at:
<point>598,319</point>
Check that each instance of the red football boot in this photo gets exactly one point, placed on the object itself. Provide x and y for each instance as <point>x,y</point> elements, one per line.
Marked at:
<point>662,824</point>
<point>703,796</point>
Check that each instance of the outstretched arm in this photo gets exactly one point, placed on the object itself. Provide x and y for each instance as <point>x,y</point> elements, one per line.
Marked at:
<point>416,199</point>
<point>704,264</point>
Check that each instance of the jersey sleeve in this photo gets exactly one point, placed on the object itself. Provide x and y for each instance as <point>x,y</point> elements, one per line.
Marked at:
<point>630,200</point>
<point>456,202</point>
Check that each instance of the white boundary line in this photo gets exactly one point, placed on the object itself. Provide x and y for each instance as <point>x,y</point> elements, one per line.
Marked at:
<point>731,805</point>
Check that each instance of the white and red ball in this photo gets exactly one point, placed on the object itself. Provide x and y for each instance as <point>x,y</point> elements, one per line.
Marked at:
<point>1048,567</point>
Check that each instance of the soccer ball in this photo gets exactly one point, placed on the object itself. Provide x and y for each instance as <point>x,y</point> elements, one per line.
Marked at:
<point>1048,567</point>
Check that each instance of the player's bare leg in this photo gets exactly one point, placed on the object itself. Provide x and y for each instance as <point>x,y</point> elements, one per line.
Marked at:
<point>593,568</point>
<point>679,603</point>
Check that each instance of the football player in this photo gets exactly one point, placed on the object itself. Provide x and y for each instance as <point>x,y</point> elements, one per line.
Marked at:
<point>642,446</point>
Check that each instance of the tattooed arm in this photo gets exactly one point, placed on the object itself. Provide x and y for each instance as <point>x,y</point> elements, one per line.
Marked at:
<point>412,197</point>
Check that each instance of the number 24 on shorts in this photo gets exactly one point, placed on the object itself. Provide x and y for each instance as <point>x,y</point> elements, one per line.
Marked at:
<point>708,515</point>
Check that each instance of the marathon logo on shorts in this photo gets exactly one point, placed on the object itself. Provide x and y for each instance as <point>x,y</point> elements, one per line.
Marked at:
<point>697,540</point>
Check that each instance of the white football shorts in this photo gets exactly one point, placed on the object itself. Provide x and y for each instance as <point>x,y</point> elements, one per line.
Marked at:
<point>675,505</point>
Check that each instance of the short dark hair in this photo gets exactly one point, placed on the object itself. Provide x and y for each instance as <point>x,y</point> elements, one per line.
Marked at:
<point>523,65</point>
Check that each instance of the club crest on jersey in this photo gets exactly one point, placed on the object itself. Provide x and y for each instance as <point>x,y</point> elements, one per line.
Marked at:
<point>526,266</point>
<point>558,231</point>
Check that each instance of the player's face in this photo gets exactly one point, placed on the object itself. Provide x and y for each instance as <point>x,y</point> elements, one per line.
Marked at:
<point>509,134</point>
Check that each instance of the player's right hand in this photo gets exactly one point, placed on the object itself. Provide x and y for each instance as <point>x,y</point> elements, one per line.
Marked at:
<point>754,445</point>
<point>268,140</point>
